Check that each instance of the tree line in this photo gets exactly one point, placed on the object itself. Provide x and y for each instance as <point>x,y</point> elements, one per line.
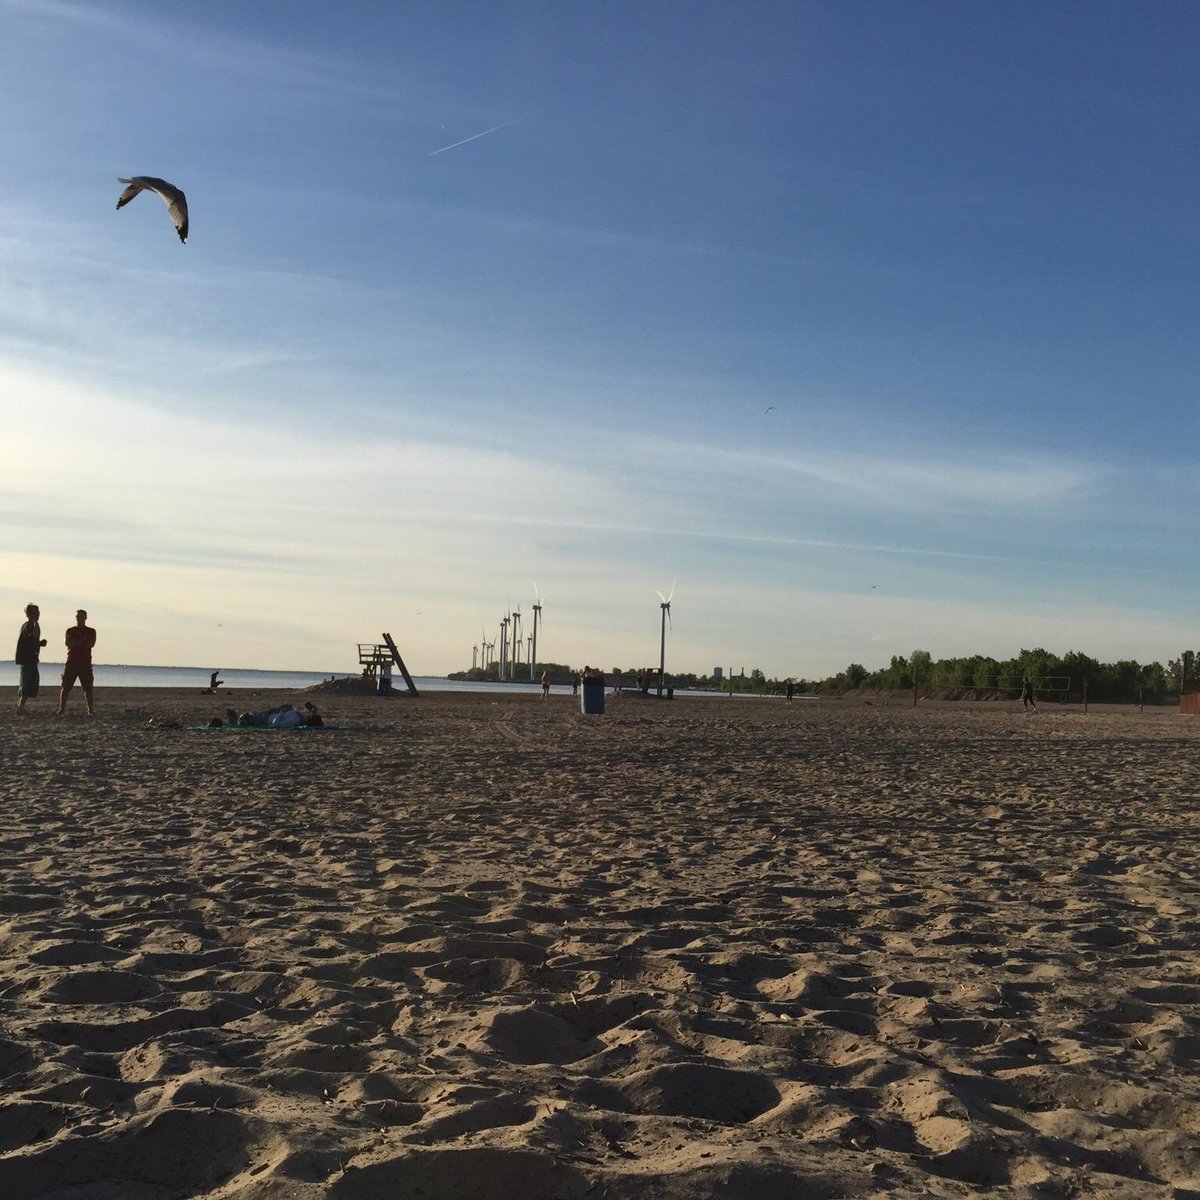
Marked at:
<point>1054,677</point>
<point>626,677</point>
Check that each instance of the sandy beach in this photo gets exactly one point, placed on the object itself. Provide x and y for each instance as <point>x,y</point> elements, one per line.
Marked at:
<point>483,947</point>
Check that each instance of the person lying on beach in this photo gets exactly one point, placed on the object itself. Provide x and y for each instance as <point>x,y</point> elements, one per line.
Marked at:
<point>283,717</point>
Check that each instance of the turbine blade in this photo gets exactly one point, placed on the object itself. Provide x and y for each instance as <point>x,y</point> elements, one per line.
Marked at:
<point>662,597</point>
<point>673,587</point>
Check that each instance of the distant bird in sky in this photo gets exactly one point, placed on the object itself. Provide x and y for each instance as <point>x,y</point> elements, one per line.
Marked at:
<point>769,408</point>
<point>174,199</point>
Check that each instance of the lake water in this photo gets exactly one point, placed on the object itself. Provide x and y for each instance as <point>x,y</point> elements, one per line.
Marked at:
<point>196,679</point>
<point>193,678</point>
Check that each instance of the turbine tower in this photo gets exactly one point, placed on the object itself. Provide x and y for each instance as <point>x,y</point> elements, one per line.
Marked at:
<point>537,617</point>
<point>474,657</point>
<point>665,606</point>
<point>503,647</point>
<point>515,643</point>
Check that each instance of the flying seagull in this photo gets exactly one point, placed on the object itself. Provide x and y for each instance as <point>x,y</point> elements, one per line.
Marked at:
<point>175,200</point>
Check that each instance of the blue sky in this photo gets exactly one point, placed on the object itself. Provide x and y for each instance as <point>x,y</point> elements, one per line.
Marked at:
<point>951,248</point>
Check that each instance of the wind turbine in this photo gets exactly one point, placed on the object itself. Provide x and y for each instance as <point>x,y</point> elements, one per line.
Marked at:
<point>662,646</point>
<point>503,647</point>
<point>537,617</point>
<point>474,657</point>
<point>515,645</point>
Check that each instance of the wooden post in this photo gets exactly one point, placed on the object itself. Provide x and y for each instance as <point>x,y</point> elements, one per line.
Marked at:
<point>412,687</point>
<point>1140,691</point>
<point>1085,696</point>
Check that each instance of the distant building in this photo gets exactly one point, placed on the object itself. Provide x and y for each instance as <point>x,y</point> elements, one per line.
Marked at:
<point>718,673</point>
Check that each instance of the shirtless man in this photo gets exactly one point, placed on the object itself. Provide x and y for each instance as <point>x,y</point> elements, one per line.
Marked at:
<point>29,649</point>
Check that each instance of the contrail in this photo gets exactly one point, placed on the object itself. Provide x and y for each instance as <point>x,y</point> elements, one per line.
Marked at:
<point>471,138</point>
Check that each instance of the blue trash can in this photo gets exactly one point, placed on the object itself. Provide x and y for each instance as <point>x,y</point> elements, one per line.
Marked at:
<point>591,696</point>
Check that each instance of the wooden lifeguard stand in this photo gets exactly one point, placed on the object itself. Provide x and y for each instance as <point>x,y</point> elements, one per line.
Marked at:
<point>374,656</point>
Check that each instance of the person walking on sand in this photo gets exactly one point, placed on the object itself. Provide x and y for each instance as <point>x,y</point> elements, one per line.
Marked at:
<point>545,684</point>
<point>790,690</point>
<point>80,639</point>
<point>29,650</point>
<point>1027,695</point>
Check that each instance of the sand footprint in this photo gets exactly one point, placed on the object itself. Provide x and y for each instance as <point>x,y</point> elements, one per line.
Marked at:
<point>699,1090</point>
<point>482,1173</point>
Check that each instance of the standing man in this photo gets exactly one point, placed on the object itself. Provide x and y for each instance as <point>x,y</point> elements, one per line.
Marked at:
<point>80,640</point>
<point>29,649</point>
<point>1027,694</point>
<point>790,689</point>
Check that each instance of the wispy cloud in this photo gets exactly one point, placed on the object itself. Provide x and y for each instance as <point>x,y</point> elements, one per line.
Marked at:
<point>202,517</point>
<point>174,38</point>
<point>911,479</point>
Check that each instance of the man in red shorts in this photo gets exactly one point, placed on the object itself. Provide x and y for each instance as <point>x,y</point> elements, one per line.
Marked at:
<point>80,640</point>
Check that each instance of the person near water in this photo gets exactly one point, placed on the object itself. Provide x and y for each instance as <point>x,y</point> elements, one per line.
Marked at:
<point>29,650</point>
<point>545,684</point>
<point>214,682</point>
<point>80,639</point>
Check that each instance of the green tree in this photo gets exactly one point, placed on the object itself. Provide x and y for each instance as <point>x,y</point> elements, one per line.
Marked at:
<point>987,672</point>
<point>854,675</point>
<point>1038,664</point>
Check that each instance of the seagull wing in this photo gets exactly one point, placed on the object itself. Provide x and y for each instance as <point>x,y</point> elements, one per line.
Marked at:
<point>174,199</point>
<point>129,193</point>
